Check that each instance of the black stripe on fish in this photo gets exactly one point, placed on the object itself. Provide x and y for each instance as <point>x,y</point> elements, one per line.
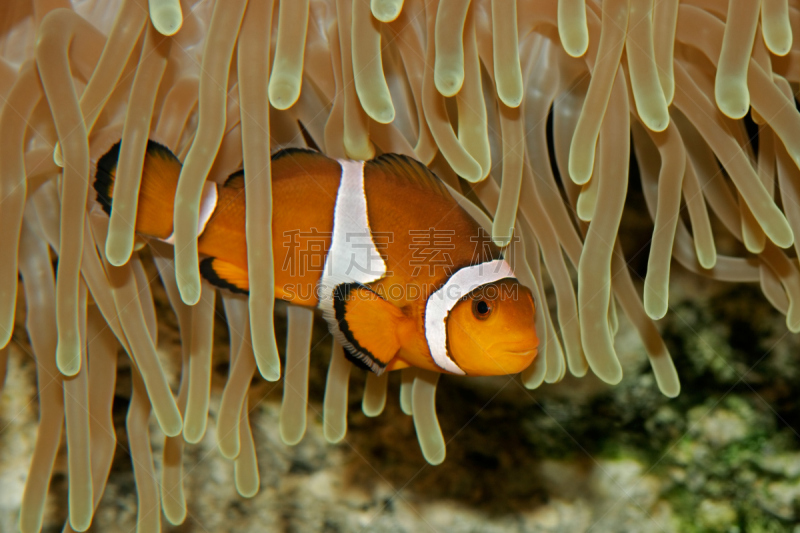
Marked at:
<point>210,273</point>
<point>104,177</point>
<point>107,170</point>
<point>235,180</point>
<point>356,353</point>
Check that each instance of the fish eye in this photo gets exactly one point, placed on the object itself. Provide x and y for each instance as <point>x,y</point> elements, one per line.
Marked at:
<point>481,308</point>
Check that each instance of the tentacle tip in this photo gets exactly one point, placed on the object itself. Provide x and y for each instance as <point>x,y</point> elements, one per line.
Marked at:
<point>779,42</point>
<point>383,115</point>
<point>556,372</point>
<point>735,111</point>
<point>552,379</point>
<point>659,122</point>
<point>707,261</point>
<point>229,451</point>
<point>115,256</point>
<point>193,435</point>
<point>371,412</point>
<point>176,518</point>
<point>291,439</point>
<point>584,213</point>
<point>282,94</point>
<point>511,100</point>
<point>448,83</point>
<point>672,391</point>
<point>533,376</point>
<point>334,437</point>
<point>785,238</point>
<point>733,100</point>
<point>80,523</point>
<point>578,370</point>
<point>248,492</point>
<point>172,429</point>
<point>117,252</point>
<point>577,51</point>
<point>434,457</point>
<point>472,171</point>
<point>385,11</point>
<point>576,43</point>
<point>174,504</point>
<point>502,240</point>
<point>69,364</point>
<point>269,372</point>
<point>580,172</point>
<point>655,306</point>
<point>190,292</point>
<point>782,50</point>
<point>167,20</point>
<point>611,375</point>
<point>754,246</point>
<point>533,382</point>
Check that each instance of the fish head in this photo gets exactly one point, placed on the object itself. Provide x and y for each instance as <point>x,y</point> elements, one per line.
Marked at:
<point>492,330</point>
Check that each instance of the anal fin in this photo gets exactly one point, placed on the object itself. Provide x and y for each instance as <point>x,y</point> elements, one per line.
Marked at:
<point>368,325</point>
<point>225,275</point>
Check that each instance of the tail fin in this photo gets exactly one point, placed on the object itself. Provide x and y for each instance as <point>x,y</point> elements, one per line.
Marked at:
<point>104,178</point>
<point>156,191</point>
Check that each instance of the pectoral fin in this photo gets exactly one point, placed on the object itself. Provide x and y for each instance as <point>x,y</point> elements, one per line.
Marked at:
<point>368,325</point>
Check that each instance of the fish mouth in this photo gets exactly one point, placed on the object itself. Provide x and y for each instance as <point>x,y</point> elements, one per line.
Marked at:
<point>526,353</point>
<point>519,349</point>
<point>513,359</point>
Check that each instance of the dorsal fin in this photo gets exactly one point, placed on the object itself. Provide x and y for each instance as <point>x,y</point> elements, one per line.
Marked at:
<point>307,137</point>
<point>235,180</point>
<point>157,149</point>
<point>291,161</point>
<point>293,151</point>
<point>410,169</point>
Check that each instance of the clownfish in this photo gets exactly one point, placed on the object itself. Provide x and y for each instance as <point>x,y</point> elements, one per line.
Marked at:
<point>402,274</point>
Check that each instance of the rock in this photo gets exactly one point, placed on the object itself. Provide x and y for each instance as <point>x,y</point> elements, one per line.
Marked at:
<point>717,426</point>
<point>785,464</point>
<point>781,499</point>
<point>715,515</point>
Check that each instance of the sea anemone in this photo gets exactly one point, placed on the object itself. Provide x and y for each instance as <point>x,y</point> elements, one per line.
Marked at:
<point>529,109</point>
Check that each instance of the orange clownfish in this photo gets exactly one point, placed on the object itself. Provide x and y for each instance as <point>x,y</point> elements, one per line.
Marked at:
<point>402,274</point>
